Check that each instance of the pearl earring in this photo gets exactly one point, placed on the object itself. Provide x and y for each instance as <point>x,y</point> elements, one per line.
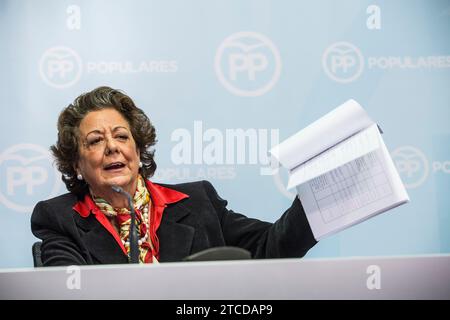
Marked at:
<point>79,177</point>
<point>140,164</point>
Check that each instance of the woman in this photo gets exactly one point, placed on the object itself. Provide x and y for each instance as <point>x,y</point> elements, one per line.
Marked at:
<point>104,141</point>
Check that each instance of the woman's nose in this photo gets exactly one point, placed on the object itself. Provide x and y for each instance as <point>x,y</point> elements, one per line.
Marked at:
<point>111,146</point>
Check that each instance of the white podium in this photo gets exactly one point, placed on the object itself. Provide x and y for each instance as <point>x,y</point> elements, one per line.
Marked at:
<point>410,277</point>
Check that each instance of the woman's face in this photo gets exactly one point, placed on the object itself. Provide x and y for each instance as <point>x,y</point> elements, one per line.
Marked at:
<point>108,153</point>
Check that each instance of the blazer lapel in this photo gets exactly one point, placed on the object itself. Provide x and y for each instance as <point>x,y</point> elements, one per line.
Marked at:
<point>175,238</point>
<point>100,243</point>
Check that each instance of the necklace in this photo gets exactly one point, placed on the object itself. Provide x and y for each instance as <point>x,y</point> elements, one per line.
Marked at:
<point>146,220</point>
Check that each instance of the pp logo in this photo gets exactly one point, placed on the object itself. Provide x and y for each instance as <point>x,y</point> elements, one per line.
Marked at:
<point>248,64</point>
<point>29,176</point>
<point>60,67</point>
<point>412,165</point>
<point>343,62</point>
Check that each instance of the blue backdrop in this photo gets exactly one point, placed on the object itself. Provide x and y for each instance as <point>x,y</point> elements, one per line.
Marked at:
<point>223,81</point>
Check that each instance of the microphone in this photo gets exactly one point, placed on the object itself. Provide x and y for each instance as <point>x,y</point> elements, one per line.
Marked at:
<point>220,253</point>
<point>134,248</point>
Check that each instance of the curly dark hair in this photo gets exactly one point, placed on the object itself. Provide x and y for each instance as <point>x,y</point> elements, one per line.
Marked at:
<point>66,151</point>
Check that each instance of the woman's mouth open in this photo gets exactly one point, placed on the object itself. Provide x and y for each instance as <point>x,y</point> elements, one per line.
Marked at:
<point>114,166</point>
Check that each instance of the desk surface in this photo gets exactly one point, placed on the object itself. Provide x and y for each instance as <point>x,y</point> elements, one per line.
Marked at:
<point>409,277</point>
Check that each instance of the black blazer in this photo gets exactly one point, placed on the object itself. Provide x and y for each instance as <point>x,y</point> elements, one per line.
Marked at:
<point>191,225</point>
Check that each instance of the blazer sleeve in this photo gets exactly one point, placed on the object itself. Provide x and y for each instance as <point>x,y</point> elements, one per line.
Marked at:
<point>289,237</point>
<point>58,249</point>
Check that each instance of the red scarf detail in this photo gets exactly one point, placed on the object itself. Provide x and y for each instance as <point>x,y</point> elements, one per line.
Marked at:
<point>161,197</point>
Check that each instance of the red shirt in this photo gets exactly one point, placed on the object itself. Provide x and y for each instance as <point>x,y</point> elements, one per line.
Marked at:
<point>161,197</point>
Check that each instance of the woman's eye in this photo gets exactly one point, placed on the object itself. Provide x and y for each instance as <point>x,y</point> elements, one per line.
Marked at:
<point>94,141</point>
<point>122,137</point>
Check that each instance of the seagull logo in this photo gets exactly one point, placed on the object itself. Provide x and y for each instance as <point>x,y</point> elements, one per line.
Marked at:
<point>29,176</point>
<point>247,64</point>
<point>343,62</point>
<point>60,67</point>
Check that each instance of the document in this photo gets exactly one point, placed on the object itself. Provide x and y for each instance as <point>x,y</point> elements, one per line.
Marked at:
<point>341,169</point>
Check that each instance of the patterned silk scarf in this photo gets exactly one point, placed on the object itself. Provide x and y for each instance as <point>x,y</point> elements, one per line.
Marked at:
<point>142,206</point>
